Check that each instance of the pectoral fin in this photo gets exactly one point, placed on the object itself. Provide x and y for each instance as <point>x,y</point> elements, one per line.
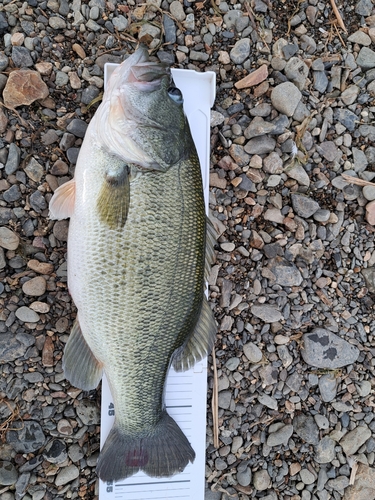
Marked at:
<point>200,343</point>
<point>61,205</point>
<point>114,198</point>
<point>80,366</point>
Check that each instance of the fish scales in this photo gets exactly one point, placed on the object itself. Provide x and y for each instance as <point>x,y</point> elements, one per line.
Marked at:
<point>154,267</point>
<point>136,264</point>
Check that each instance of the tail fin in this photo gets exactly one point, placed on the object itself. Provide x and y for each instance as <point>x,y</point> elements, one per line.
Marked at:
<point>162,452</point>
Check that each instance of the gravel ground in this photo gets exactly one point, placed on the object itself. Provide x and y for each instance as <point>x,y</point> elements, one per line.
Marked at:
<point>294,282</point>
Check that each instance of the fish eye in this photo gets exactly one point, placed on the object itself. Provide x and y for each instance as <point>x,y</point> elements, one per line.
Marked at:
<point>175,94</point>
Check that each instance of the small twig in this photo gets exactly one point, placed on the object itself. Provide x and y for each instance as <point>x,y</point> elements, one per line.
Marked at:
<point>353,464</point>
<point>338,16</point>
<point>356,180</point>
<point>214,402</point>
<point>338,34</point>
<point>250,13</point>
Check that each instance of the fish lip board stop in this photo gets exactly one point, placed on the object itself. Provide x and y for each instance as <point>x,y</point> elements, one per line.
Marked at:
<point>186,392</point>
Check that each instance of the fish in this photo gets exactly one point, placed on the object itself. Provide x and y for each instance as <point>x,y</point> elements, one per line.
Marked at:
<point>139,249</point>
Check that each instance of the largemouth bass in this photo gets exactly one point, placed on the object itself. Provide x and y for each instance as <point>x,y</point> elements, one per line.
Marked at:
<point>138,246</point>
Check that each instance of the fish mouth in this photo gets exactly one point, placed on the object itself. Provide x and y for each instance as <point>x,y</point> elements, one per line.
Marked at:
<point>140,71</point>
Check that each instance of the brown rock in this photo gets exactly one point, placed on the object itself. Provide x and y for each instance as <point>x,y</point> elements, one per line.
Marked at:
<point>59,168</point>
<point>254,78</point>
<point>370,213</point>
<point>60,230</point>
<point>35,287</point>
<point>40,307</point>
<point>23,87</point>
<point>3,121</point>
<point>44,68</point>
<point>47,353</point>
<point>40,267</point>
<point>256,240</point>
<point>4,185</point>
<point>364,484</point>
<point>8,239</point>
<point>216,181</point>
<point>79,50</point>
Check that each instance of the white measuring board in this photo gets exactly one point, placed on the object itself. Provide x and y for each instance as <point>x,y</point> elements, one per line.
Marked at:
<point>186,392</point>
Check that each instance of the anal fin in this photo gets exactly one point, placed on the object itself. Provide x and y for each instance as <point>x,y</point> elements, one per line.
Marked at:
<point>80,366</point>
<point>199,343</point>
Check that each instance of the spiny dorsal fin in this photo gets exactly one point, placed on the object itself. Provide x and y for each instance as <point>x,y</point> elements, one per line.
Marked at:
<point>62,202</point>
<point>211,236</point>
<point>200,343</point>
<point>114,198</point>
<point>80,366</point>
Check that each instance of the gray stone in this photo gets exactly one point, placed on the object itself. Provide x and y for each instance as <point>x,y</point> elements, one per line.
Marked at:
<point>198,56</point>
<point>306,428</point>
<point>177,10</point>
<point>169,29</point>
<point>281,436</point>
<point>22,485</point>
<point>89,94</point>
<point>328,387</point>
<point>325,450</point>
<point>366,58</point>
<point>27,315</point>
<point>8,473</point>
<point>307,477</point>
<point>66,475</point>
<point>267,313</point>
<point>339,484</point>
<point>268,401</point>
<point>77,127</point>
<point>4,61</point>
<point>360,161</point>
<point>27,437</point>
<point>322,215</point>
<point>13,160</point>
<point>285,98</point>
<point>38,202</point>
<point>346,118</point>
<point>321,421</point>
<point>296,71</point>
<point>34,170</point>
<point>297,172</point>
<point>12,194</point>
<point>350,94</point>
<point>231,17</point>
<point>240,51</point>
<point>353,440</point>
<point>320,81</point>
<point>232,364</point>
<point>21,57</point>
<point>224,399</point>
<point>369,192</point>
<point>364,7</point>
<point>328,150</point>
<point>57,23</point>
<point>243,475</point>
<point>260,145</point>
<point>273,164</point>
<point>10,348</point>
<point>304,206</point>
<point>294,381</point>
<point>55,452</point>
<point>261,480</point>
<point>286,273</point>
<point>252,352</point>
<point>324,349</point>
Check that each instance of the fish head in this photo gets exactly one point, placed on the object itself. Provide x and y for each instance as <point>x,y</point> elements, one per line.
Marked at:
<point>141,118</point>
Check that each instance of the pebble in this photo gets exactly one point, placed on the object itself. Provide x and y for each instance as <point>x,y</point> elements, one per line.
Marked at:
<point>27,315</point>
<point>240,51</point>
<point>366,58</point>
<point>8,239</point>
<point>13,160</point>
<point>35,287</point>
<point>305,427</point>
<point>66,475</point>
<point>353,440</point>
<point>8,473</point>
<point>324,349</point>
<point>267,313</point>
<point>280,436</point>
<point>177,11</point>
<point>261,480</point>
<point>328,387</point>
<point>55,452</point>
<point>252,352</point>
<point>28,438</point>
<point>304,206</point>
<point>325,450</point>
<point>285,98</point>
